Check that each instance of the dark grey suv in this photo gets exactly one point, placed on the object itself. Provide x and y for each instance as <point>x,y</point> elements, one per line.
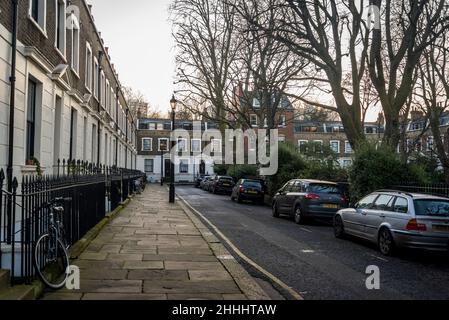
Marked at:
<point>304,199</point>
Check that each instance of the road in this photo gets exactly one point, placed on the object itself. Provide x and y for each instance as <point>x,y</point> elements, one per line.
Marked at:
<point>313,262</point>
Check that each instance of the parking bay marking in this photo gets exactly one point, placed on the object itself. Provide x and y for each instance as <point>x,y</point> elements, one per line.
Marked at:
<point>380,258</point>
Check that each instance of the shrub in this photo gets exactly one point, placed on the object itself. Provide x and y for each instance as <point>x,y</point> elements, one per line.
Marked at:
<point>220,169</point>
<point>322,170</point>
<point>291,165</point>
<point>242,171</point>
<point>376,168</point>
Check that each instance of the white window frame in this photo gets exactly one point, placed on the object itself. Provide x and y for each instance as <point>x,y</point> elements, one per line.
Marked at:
<point>184,162</point>
<point>282,123</point>
<point>107,97</point>
<point>95,77</point>
<point>251,118</point>
<point>320,142</point>
<point>145,165</point>
<point>256,103</point>
<point>193,150</point>
<point>62,28</point>
<point>348,150</point>
<point>346,161</point>
<point>143,144</point>
<point>159,144</point>
<point>102,90</point>
<point>88,68</point>
<point>338,145</point>
<point>186,147</point>
<point>428,145</point>
<point>213,147</point>
<point>41,24</point>
<point>75,38</point>
<point>300,142</point>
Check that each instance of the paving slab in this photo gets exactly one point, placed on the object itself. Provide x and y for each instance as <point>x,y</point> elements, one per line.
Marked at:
<point>152,250</point>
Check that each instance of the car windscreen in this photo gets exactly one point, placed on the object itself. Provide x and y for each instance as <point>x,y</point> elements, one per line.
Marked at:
<point>323,188</point>
<point>432,207</point>
<point>226,180</point>
<point>252,184</point>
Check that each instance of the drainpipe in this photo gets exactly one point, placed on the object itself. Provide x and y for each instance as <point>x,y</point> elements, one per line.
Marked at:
<point>12,102</point>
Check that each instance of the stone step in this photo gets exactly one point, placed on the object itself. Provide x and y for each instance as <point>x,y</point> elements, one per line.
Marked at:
<point>17,293</point>
<point>4,279</point>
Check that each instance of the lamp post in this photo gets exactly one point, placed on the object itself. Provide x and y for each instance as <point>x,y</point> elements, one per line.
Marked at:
<point>173,104</point>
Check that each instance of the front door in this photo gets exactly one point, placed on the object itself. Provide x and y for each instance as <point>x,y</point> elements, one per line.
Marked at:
<point>202,167</point>
<point>167,169</point>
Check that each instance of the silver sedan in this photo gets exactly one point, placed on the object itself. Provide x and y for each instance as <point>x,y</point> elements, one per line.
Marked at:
<point>395,219</point>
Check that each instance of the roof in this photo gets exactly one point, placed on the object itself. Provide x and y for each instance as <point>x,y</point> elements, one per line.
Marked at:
<point>414,195</point>
<point>317,181</point>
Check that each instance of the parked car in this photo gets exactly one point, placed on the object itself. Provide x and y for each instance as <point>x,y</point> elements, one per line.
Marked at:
<point>199,179</point>
<point>247,189</point>
<point>204,182</point>
<point>221,184</point>
<point>303,199</point>
<point>395,219</point>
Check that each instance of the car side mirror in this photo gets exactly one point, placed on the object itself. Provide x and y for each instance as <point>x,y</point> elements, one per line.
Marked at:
<point>354,205</point>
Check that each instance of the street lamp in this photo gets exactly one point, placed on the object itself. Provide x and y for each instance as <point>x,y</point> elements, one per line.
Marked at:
<point>173,104</point>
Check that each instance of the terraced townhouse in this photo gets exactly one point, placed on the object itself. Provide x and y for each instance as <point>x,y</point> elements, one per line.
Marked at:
<point>57,77</point>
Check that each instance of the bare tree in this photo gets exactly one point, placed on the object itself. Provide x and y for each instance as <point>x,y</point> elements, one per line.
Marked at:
<point>432,92</point>
<point>139,105</point>
<point>409,28</point>
<point>204,33</point>
<point>227,69</point>
<point>342,46</point>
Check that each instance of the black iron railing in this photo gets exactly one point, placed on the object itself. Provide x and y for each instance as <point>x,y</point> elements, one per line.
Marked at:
<point>94,190</point>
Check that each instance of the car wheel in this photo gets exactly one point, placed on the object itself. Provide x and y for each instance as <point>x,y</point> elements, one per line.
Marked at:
<point>386,242</point>
<point>275,211</point>
<point>298,216</point>
<point>339,229</point>
<point>239,199</point>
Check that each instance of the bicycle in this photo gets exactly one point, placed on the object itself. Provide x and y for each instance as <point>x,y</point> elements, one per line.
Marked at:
<point>50,256</point>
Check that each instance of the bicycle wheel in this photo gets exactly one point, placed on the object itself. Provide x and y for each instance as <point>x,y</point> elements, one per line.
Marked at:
<point>51,261</point>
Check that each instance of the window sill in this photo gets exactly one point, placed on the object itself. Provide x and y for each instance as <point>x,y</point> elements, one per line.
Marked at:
<point>38,26</point>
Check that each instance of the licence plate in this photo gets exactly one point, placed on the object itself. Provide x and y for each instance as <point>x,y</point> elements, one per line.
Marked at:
<point>440,228</point>
<point>330,206</point>
<point>252,192</point>
<point>226,184</point>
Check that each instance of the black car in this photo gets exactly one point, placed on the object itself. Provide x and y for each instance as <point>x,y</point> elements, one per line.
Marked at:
<point>199,179</point>
<point>304,199</point>
<point>221,184</point>
<point>247,189</point>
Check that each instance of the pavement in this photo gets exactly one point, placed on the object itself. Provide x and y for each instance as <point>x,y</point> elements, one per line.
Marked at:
<point>154,250</point>
<point>310,260</point>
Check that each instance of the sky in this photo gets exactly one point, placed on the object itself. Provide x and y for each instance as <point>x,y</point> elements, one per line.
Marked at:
<point>138,35</point>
